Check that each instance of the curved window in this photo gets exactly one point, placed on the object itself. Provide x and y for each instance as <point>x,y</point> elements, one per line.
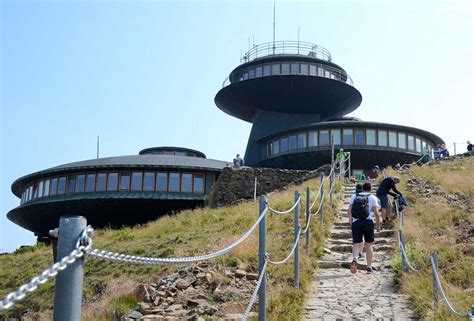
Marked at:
<point>112,182</point>
<point>313,139</point>
<point>347,138</point>
<point>137,182</point>
<point>258,72</point>
<point>411,142</point>
<point>292,142</point>
<point>336,136</point>
<point>360,137</point>
<point>323,137</point>
<point>198,183</point>
<point>392,139</point>
<point>80,180</point>
<point>266,70</point>
<point>149,182</point>
<point>124,181</point>
<point>301,141</point>
<point>174,182</point>
<point>101,182</point>
<point>418,145</point>
<point>40,189</point>
<point>382,138</point>
<point>71,181</point>
<point>285,69</point>
<point>284,145</point>
<point>46,188</point>
<point>371,138</point>
<point>275,147</point>
<point>54,186</point>
<point>304,69</point>
<point>295,69</point>
<point>62,185</point>
<point>162,182</point>
<point>275,69</point>
<point>402,141</point>
<point>90,182</point>
<point>186,183</point>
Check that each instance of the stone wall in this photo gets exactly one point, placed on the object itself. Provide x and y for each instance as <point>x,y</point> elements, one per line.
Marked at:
<point>235,185</point>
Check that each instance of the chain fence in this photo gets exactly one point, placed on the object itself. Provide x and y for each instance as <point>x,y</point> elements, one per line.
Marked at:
<point>83,245</point>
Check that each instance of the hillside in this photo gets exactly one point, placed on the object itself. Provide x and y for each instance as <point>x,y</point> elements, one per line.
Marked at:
<point>440,219</point>
<point>110,288</point>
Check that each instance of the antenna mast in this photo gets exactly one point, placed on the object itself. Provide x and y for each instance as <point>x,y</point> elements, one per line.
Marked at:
<point>97,146</point>
<point>274,26</point>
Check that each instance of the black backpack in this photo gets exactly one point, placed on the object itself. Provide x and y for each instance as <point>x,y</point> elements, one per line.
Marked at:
<point>360,207</point>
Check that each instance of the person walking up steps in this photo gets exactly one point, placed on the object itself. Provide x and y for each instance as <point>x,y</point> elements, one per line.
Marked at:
<point>362,212</point>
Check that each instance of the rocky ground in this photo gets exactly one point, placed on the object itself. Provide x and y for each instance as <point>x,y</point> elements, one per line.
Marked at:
<point>337,294</point>
<point>197,292</point>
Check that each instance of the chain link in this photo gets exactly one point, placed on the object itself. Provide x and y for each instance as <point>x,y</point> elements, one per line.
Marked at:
<point>287,211</point>
<point>253,298</point>
<point>84,242</point>
<point>119,257</point>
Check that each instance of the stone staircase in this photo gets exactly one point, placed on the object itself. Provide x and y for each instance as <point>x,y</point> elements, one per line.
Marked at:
<point>337,294</point>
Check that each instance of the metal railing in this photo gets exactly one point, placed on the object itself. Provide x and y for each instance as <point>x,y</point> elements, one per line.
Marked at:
<point>75,241</point>
<point>433,259</point>
<point>323,71</point>
<point>287,47</point>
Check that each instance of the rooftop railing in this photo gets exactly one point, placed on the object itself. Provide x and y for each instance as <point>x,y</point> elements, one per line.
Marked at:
<point>301,48</point>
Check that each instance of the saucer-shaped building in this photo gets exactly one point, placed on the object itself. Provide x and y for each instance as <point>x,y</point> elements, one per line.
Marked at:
<point>115,191</point>
<point>296,97</point>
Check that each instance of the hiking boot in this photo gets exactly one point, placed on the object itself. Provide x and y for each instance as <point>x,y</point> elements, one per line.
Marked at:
<point>370,270</point>
<point>354,266</point>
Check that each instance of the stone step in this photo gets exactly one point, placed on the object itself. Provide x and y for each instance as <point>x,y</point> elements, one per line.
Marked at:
<point>347,248</point>
<point>348,234</point>
<point>378,241</point>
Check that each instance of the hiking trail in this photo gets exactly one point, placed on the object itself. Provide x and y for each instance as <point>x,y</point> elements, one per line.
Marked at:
<point>337,294</point>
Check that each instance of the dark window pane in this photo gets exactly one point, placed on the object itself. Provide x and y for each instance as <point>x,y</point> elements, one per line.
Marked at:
<point>162,182</point>
<point>323,138</point>
<point>312,70</point>
<point>186,183</point>
<point>54,187</point>
<point>275,147</point>
<point>40,189</point>
<point>80,183</point>
<point>35,190</point>
<point>266,70</point>
<point>174,182</point>
<point>198,183</point>
<point>71,182</point>
<point>149,182</point>
<point>418,145</point>
<point>90,182</point>
<point>304,69</point>
<point>359,137</point>
<point>336,136</point>
<point>136,181</point>
<point>292,142</point>
<point>313,139</point>
<point>275,69</point>
<point>411,142</point>
<point>295,69</point>
<point>112,182</point>
<point>402,140</point>
<point>302,140</point>
<point>251,73</point>
<point>285,69</point>
<point>100,184</point>
<point>382,138</point>
<point>284,145</point>
<point>124,181</point>
<point>347,137</point>
<point>371,137</point>
<point>61,184</point>
<point>46,188</point>
<point>392,139</point>
<point>258,72</point>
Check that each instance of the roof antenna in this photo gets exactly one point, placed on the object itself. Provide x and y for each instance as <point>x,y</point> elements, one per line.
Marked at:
<point>97,147</point>
<point>274,26</point>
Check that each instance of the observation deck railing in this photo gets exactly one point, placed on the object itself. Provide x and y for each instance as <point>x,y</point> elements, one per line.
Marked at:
<point>290,47</point>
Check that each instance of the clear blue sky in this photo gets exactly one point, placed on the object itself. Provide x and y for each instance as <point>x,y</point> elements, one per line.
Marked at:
<point>141,74</point>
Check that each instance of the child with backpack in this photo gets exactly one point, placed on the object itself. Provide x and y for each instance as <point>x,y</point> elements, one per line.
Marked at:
<point>363,215</point>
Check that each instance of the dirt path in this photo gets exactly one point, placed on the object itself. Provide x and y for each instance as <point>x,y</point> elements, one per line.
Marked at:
<point>336,294</point>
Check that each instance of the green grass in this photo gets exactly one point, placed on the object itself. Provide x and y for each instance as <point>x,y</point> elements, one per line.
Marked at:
<point>434,225</point>
<point>110,288</point>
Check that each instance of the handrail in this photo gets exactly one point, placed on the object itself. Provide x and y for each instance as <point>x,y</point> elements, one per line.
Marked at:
<point>287,47</point>
<point>327,72</point>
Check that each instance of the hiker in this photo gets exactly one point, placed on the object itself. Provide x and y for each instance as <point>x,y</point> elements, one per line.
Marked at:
<point>469,147</point>
<point>375,172</point>
<point>341,158</point>
<point>444,152</point>
<point>362,212</point>
<point>238,162</point>
<point>383,191</point>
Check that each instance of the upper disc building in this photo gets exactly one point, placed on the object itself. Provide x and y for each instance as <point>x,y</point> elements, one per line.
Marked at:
<point>296,97</point>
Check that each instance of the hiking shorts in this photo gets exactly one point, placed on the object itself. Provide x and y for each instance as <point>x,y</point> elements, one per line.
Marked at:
<point>363,228</point>
<point>383,201</point>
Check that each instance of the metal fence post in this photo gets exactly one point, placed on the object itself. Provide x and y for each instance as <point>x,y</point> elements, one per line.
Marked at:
<point>68,285</point>
<point>331,182</point>
<point>454,148</point>
<point>404,261</point>
<point>321,214</point>
<point>349,169</point>
<point>297,250</point>
<point>262,235</point>
<point>308,213</point>
<point>434,269</point>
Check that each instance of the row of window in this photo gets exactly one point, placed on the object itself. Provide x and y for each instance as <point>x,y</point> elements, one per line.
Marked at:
<point>292,68</point>
<point>171,152</point>
<point>136,181</point>
<point>348,137</point>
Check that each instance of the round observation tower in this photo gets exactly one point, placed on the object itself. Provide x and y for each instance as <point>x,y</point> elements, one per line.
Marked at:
<point>296,97</point>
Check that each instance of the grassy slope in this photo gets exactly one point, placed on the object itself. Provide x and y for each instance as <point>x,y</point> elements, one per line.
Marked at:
<point>109,287</point>
<point>432,225</point>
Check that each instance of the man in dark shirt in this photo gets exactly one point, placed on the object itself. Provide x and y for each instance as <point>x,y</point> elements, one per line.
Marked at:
<point>469,147</point>
<point>384,190</point>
